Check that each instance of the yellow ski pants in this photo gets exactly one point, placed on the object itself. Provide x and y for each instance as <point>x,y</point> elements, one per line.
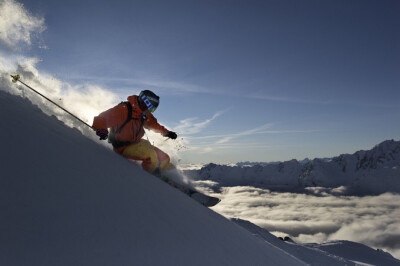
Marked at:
<point>152,157</point>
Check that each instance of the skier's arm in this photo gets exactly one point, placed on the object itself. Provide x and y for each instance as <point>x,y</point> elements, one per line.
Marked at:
<point>152,124</point>
<point>110,118</point>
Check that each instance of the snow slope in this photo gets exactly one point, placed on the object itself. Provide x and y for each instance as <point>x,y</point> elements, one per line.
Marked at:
<point>316,254</point>
<point>369,172</point>
<point>66,200</point>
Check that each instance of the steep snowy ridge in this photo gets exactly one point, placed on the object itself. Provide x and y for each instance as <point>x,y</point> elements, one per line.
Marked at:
<point>373,171</point>
<point>66,200</point>
<point>386,154</point>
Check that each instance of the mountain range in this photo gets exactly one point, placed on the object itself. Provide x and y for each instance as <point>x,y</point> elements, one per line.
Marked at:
<point>366,172</point>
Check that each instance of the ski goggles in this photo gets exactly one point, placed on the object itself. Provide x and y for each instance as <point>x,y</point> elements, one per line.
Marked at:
<point>148,104</point>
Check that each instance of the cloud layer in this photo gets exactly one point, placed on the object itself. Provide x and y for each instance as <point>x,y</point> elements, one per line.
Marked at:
<point>318,217</point>
<point>17,25</point>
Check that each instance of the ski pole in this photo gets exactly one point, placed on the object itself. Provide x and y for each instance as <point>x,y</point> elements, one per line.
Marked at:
<point>17,78</point>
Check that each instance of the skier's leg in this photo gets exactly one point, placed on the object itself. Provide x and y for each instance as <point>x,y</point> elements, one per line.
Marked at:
<point>163,158</point>
<point>145,152</point>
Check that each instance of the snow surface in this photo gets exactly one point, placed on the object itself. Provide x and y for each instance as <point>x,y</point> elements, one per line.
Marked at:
<point>67,200</point>
<point>316,254</point>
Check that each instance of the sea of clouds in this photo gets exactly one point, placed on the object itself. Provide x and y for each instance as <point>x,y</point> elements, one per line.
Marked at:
<point>318,216</point>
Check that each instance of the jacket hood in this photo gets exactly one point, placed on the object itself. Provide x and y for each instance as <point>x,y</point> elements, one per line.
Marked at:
<point>133,99</point>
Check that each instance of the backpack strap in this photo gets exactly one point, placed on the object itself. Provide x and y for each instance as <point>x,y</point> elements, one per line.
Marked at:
<point>128,118</point>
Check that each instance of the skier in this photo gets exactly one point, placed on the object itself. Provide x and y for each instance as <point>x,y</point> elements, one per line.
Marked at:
<point>126,122</point>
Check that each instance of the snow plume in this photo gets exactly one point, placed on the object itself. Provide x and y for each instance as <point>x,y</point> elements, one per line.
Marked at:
<point>85,101</point>
<point>319,216</point>
<point>172,148</point>
<point>17,25</point>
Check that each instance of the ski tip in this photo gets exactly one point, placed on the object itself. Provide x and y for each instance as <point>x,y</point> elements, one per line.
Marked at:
<point>212,202</point>
<point>15,78</point>
<point>205,200</point>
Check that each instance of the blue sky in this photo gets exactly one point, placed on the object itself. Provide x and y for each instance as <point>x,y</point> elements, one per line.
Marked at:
<point>239,80</point>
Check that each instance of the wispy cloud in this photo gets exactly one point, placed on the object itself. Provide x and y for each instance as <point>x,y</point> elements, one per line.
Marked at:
<point>153,82</point>
<point>244,133</point>
<point>17,25</point>
<point>193,126</point>
<point>259,132</point>
<point>212,143</point>
<point>176,86</point>
<point>211,147</point>
<point>352,102</point>
<point>203,148</point>
<point>287,99</point>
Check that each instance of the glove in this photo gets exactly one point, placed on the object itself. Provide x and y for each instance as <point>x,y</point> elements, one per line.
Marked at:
<point>102,133</point>
<point>171,134</point>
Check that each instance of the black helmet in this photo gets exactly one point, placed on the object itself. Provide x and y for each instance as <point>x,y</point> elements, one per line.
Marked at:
<point>148,100</point>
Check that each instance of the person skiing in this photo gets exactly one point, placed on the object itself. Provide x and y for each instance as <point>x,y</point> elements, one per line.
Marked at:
<point>127,121</point>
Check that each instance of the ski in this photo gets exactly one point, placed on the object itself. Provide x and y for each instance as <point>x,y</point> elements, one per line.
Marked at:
<point>201,198</point>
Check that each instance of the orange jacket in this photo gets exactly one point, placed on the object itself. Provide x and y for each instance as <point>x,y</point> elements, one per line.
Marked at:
<point>133,131</point>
